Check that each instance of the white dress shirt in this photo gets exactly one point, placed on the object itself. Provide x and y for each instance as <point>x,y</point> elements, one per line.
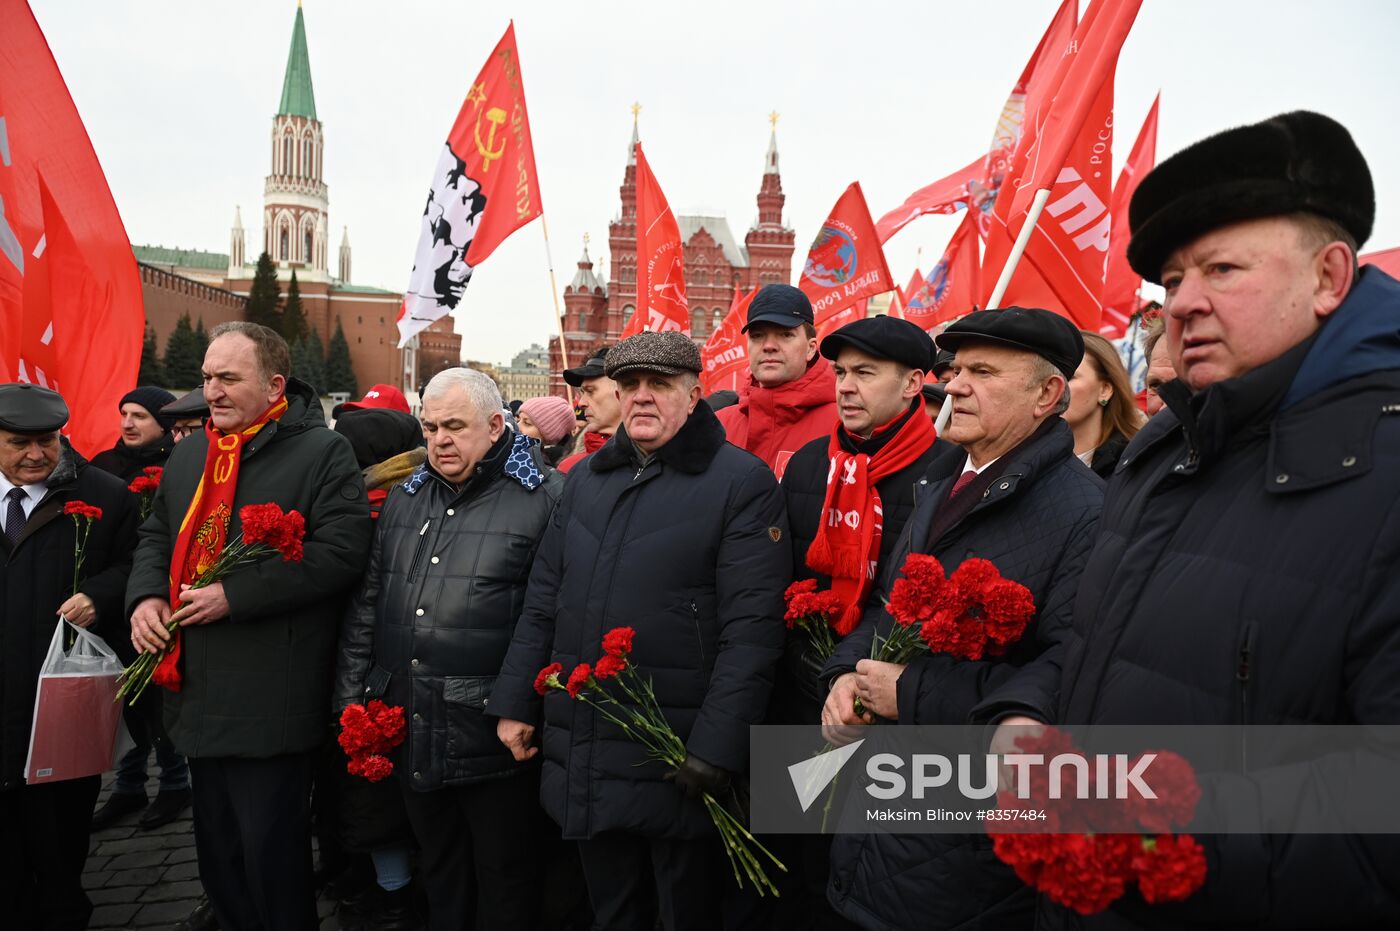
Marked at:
<point>33,494</point>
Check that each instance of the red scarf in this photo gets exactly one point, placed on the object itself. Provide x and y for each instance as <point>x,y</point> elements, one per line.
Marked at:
<point>204,528</point>
<point>847,545</point>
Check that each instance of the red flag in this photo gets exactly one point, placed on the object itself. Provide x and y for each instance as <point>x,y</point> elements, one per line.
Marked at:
<point>946,195</point>
<point>1387,260</point>
<point>896,308</point>
<point>661,301</point>
<point>1121,283</point>
<point>725,356</point>
<point>71,312</point>
<point>916,281</point>
<point>1072,95</point>
<point>845,263</point>
<point>954,285</point>
<point>485,188</point>
<point>836,321</point>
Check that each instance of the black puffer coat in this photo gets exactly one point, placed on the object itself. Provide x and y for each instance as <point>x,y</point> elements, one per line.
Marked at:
<point>1036,522</point>
<point>800,692</point>
<point>691,551</point>
<point>36,576</point>
<point>431,624</point>
<point>1246,572</point>
<point>258,683</point>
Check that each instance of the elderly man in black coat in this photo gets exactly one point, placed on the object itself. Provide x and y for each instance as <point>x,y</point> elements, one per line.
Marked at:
<point>46,826</point>
<point>1245,571</point>
<point>428,632</point>
<point>1012,492</point>
<point>671,531</point>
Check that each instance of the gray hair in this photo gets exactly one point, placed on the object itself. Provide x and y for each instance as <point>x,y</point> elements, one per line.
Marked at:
<point>269,348</point>
<point>1042,370</point>
<point>478,387</point>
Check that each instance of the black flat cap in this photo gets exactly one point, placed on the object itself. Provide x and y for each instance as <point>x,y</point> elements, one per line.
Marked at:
<point>884,338</point>
<point>942,361</point>
<point>667,353</point>
<point>1296,162</point>
<point>31,409</point>
<point>780,304</point>
<point>593,368</point>
<point>187,405</point>
<point>1048,335</point>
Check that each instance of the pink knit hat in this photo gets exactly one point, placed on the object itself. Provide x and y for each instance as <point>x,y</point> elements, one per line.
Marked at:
<point>552,415</point>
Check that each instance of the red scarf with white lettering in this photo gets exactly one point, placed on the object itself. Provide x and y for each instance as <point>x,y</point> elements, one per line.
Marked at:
<point>847,545</point>
<point>204,529</point>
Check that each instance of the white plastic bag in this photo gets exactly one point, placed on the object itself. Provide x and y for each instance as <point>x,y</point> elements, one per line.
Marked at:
<point>76,713</point>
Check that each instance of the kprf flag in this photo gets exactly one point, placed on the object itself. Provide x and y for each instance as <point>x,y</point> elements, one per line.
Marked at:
<point>725,355</point>
<point>954,285</point>
<point>975,185</point>
<point>71,313</point>
<point>916,281</point>
<point>484,188</point>
<point>1121,283</point>
<point>848,314</point>
<point>661,301</point>
<point>845,263</point>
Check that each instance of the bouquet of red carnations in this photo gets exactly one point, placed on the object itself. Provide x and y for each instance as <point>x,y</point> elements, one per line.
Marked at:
<point>640,718</point>
<point>267,530</point>
<point>367,734</point>
<point>816,614</point>
<point>1089,871</point>
<point>145,486</point>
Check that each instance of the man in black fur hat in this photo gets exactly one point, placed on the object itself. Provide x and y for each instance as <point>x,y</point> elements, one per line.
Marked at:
<point>1245,565</point>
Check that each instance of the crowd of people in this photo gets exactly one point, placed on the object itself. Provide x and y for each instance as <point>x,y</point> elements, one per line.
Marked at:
<point>1223,554</point>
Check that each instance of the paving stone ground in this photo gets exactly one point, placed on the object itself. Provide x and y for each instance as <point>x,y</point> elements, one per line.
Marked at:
<point>149,879</point>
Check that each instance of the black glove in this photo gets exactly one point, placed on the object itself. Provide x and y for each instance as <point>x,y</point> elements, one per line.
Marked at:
<point>696,777</point>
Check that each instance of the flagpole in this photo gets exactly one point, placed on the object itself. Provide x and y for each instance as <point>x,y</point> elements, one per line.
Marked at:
<point>558,318</point>
<point>945,413</point>
<point>1014,259</point>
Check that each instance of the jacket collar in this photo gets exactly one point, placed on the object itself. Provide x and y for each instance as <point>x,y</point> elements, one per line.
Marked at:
<point>691,450</point>
<point>812,389</point>
<point>513,455</point>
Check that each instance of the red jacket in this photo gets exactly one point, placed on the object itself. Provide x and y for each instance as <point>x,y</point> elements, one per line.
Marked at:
<point>592,442</point>
<point>774,423</point>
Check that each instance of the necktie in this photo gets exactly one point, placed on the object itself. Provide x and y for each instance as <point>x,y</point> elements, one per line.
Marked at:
<point>963,481</point>
<point>14,516</point>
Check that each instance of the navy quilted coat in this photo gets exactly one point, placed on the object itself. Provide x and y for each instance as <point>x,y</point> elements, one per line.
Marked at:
<point>1246,572</point>
<point>691,550</point>
<point>1036,522</point>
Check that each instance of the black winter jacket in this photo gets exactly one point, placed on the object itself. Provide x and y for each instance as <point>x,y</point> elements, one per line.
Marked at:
<point>1036,522</point>
<point>691,551</point>
<point>258,683</point>
<point>800,691</point>
<point>429,627</point>
<point>126,462</point>
<point>36,576</point>
<point>1245,572</point>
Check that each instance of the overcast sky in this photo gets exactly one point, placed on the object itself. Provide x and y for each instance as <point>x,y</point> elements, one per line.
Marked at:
<point>178,98</point>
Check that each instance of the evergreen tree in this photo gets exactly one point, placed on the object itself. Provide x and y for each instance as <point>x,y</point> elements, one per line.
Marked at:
<point>293,316</point>
<point>201,339</point>
<point>182,357</point>
<point>264,296</point>
<point>150,372</point>
<point>340,375</point>
<point>307,362</point>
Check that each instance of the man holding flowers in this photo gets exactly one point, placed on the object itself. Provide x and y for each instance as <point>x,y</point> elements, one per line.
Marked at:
<point>672,532</point>
<point>51,502</point>
<point>1010,493</point>
<point>249,665</point>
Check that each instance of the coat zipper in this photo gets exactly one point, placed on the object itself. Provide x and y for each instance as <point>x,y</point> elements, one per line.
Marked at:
<point>699,640</point>
<point>414,566</point>
<point>1242,673</point>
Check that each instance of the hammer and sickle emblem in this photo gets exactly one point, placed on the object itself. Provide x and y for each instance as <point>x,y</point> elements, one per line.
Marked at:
<point>223,465</point>
<point>496,117</point>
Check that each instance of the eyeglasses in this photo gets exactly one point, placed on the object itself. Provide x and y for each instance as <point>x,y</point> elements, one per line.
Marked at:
<point>183,430</point>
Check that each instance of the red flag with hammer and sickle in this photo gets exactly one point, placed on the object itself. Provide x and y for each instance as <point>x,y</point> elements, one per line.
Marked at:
<point>661,301</point>
<point>484,189</point>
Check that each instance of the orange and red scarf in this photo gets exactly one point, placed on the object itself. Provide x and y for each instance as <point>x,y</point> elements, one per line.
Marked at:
<point>204,528</point>
<point>847,544</point>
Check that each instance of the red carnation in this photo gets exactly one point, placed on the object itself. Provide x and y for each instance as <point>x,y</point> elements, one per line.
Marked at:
<point>609,666</point>
<point>373,767</point>
<point>578,679</point>
<point>82,509</point>
<point>914,596</point>
<point>141,485</point>
<point>1088,871</point>
<point>1169,867</point>
<point>551,671</point>
<point>1173,779</point>
<point>800,587</point>
<point>155,472</point>
<point>618,641</point>
<point>269,525</point>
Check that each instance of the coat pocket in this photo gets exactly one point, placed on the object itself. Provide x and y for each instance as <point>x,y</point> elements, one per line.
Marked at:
<point>471,735</point>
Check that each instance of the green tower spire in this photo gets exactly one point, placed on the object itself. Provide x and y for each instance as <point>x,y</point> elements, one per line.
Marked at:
<point>297,96</point>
